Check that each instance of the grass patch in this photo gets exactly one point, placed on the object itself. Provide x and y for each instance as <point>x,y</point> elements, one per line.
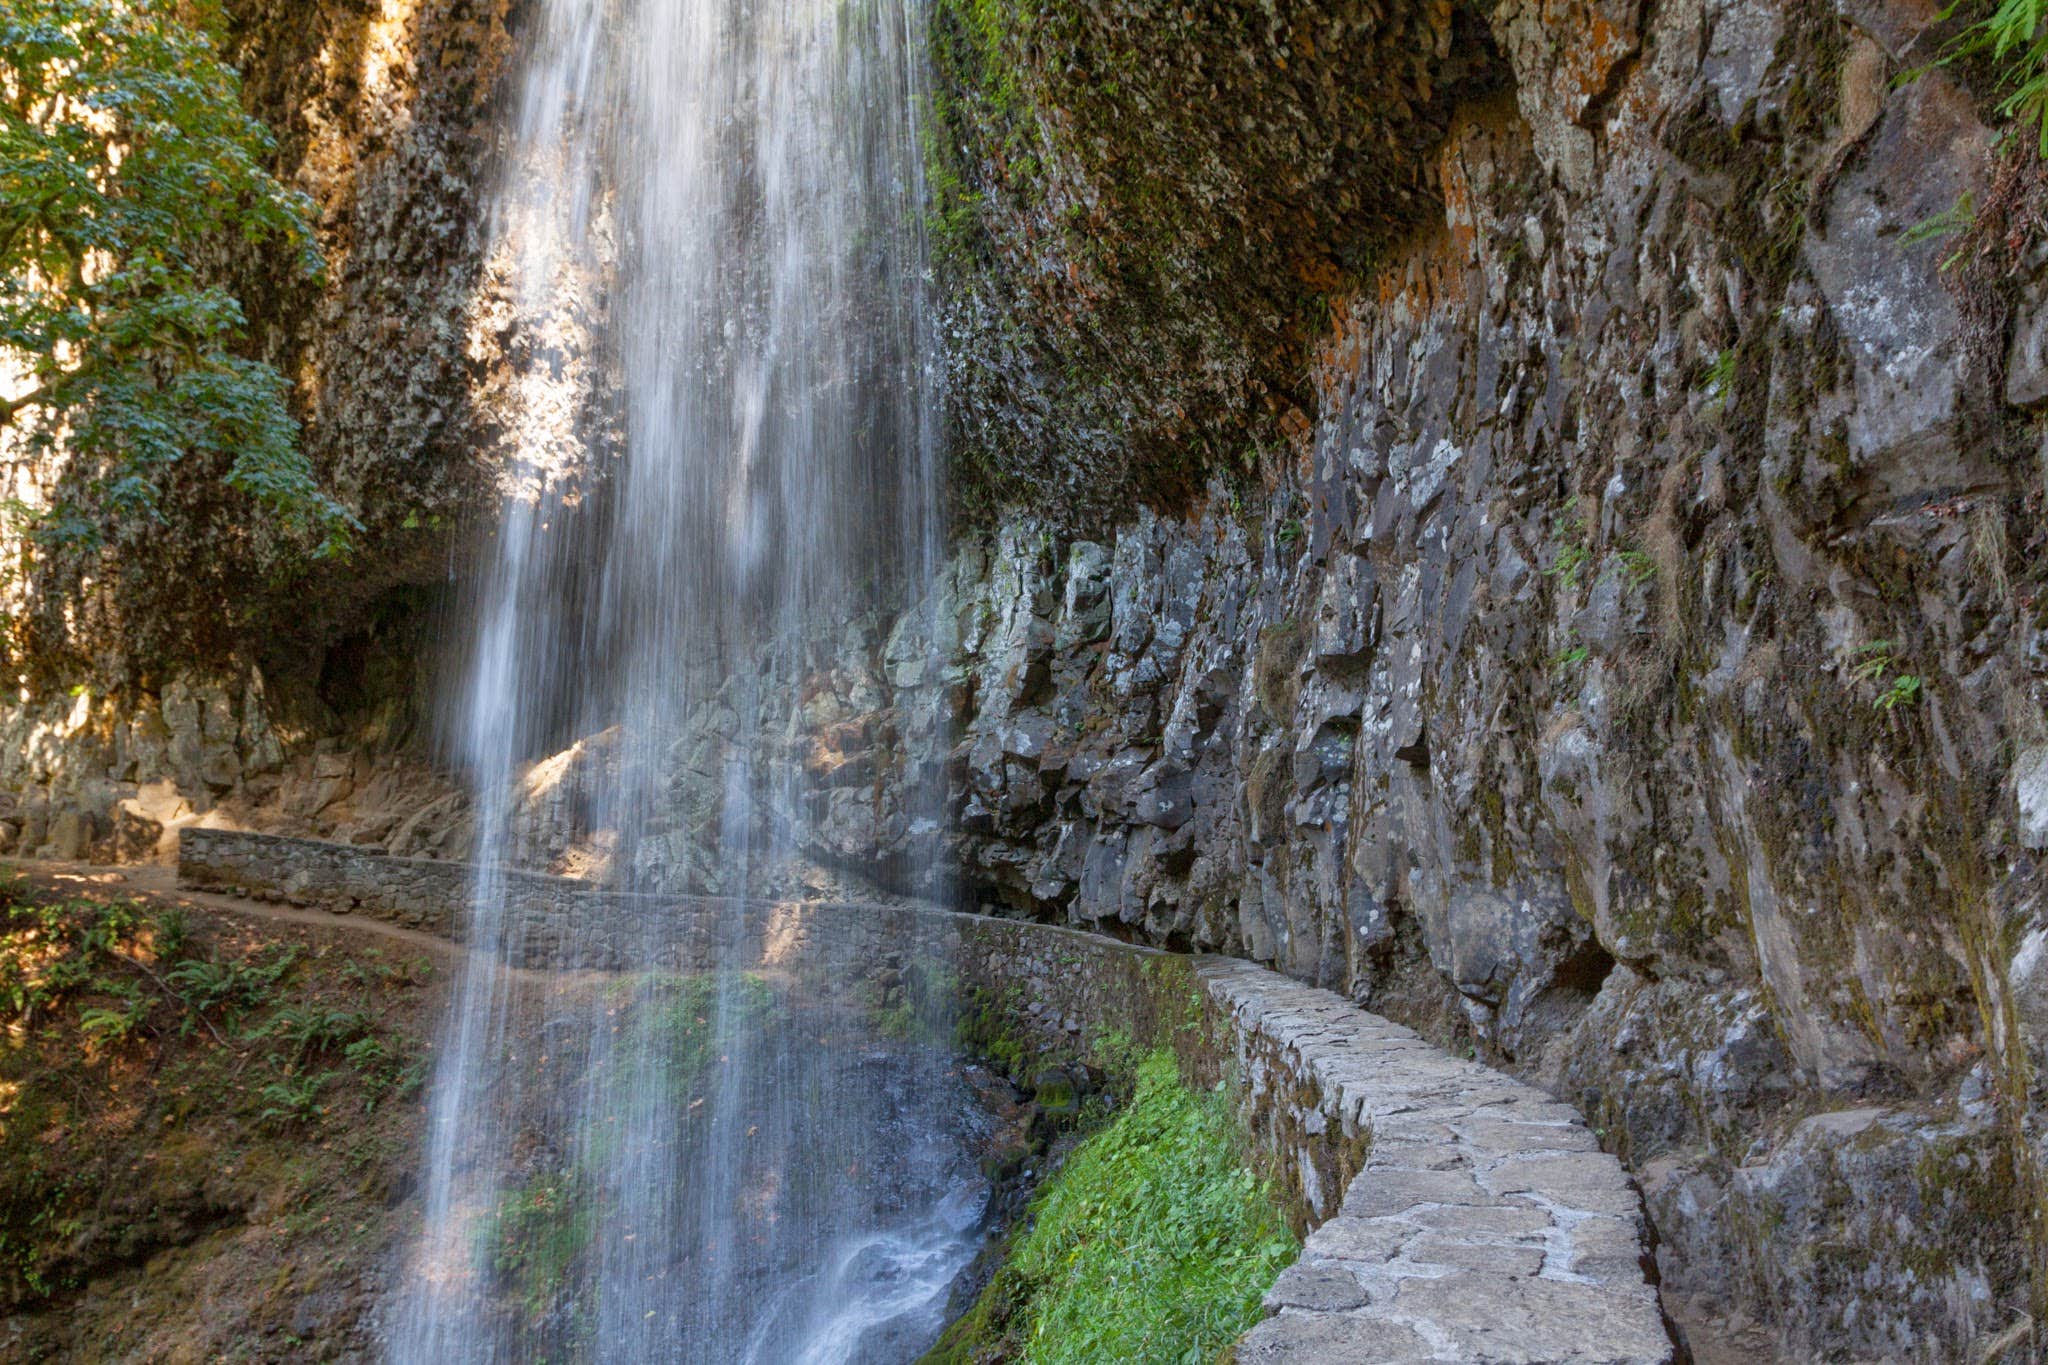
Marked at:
<point>690,1031</point>
<point>1153,1243</point>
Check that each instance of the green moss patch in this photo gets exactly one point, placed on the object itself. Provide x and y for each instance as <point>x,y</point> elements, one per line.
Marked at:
<point>535,1238</point>
<point>1141,216</point>
<point>1154,1242</point>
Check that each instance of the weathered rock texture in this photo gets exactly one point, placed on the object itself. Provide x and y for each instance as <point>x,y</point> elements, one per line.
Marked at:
<point>1639,675</point>
<point>112,776</point>
<point>1142,210</point>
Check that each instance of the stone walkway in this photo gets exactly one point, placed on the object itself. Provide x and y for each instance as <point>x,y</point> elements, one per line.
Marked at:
<point>1486,1226</point>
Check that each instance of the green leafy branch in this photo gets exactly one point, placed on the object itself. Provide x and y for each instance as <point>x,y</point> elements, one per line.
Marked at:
<point>2014,36</point>
<point>1873,663</point>
<point>1569,658</point>
<point>1575,551</point>
<point>126,163</point>
<point>292,1101</point>
<point>1637,568</point>
<point>1957,219</point>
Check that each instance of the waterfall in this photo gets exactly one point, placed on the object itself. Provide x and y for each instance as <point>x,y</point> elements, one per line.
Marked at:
<point>716,204</point>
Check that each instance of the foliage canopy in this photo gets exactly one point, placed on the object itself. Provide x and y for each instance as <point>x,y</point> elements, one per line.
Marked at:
<point>127,166</point>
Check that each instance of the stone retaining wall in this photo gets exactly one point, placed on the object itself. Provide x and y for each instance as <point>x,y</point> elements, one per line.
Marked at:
<point>543,922</point>
<point>419,893</point>
<point>1486,1224</point>
<point>1455,1214</point>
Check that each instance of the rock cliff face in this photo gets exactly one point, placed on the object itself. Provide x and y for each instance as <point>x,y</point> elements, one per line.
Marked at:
<point>384,114</point>
<point>1144,212</point>
<point>169,673</point>
<point>1627,659</point>
<point>1637,673</point>
<point>387,112</point>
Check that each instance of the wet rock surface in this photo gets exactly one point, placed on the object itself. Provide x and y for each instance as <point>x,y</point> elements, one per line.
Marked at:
<point>1135,266</point>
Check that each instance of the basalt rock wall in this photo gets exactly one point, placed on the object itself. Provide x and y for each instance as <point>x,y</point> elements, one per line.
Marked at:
<point>203,660</point>
<point>1636,674</point>
<point>385,116</point>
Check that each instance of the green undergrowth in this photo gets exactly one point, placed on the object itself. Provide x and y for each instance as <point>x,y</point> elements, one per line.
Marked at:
<point>533,1245</point>
<point>916,1003</point>
<point>1154,1242</point>
<point>168,1077</point>
<point>536,1237</point>
<point>690,1028</point>
<point>2013,36</point>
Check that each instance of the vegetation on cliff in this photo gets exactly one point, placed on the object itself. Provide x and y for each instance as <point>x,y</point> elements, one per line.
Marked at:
<point>204,1125</point>
<point>1154,1242</point>
<point>2014,35</point>
<point>1142,214</point>
<point>301,278</point>
<point>127,164</point>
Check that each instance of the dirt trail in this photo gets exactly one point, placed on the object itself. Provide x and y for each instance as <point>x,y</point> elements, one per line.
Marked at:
<point>158,883</point>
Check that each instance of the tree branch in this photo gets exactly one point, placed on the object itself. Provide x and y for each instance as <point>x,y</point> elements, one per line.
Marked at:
<point>48,394</point>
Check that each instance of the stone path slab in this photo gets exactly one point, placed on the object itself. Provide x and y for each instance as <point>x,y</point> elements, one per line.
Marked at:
<point>1486,1226</point>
